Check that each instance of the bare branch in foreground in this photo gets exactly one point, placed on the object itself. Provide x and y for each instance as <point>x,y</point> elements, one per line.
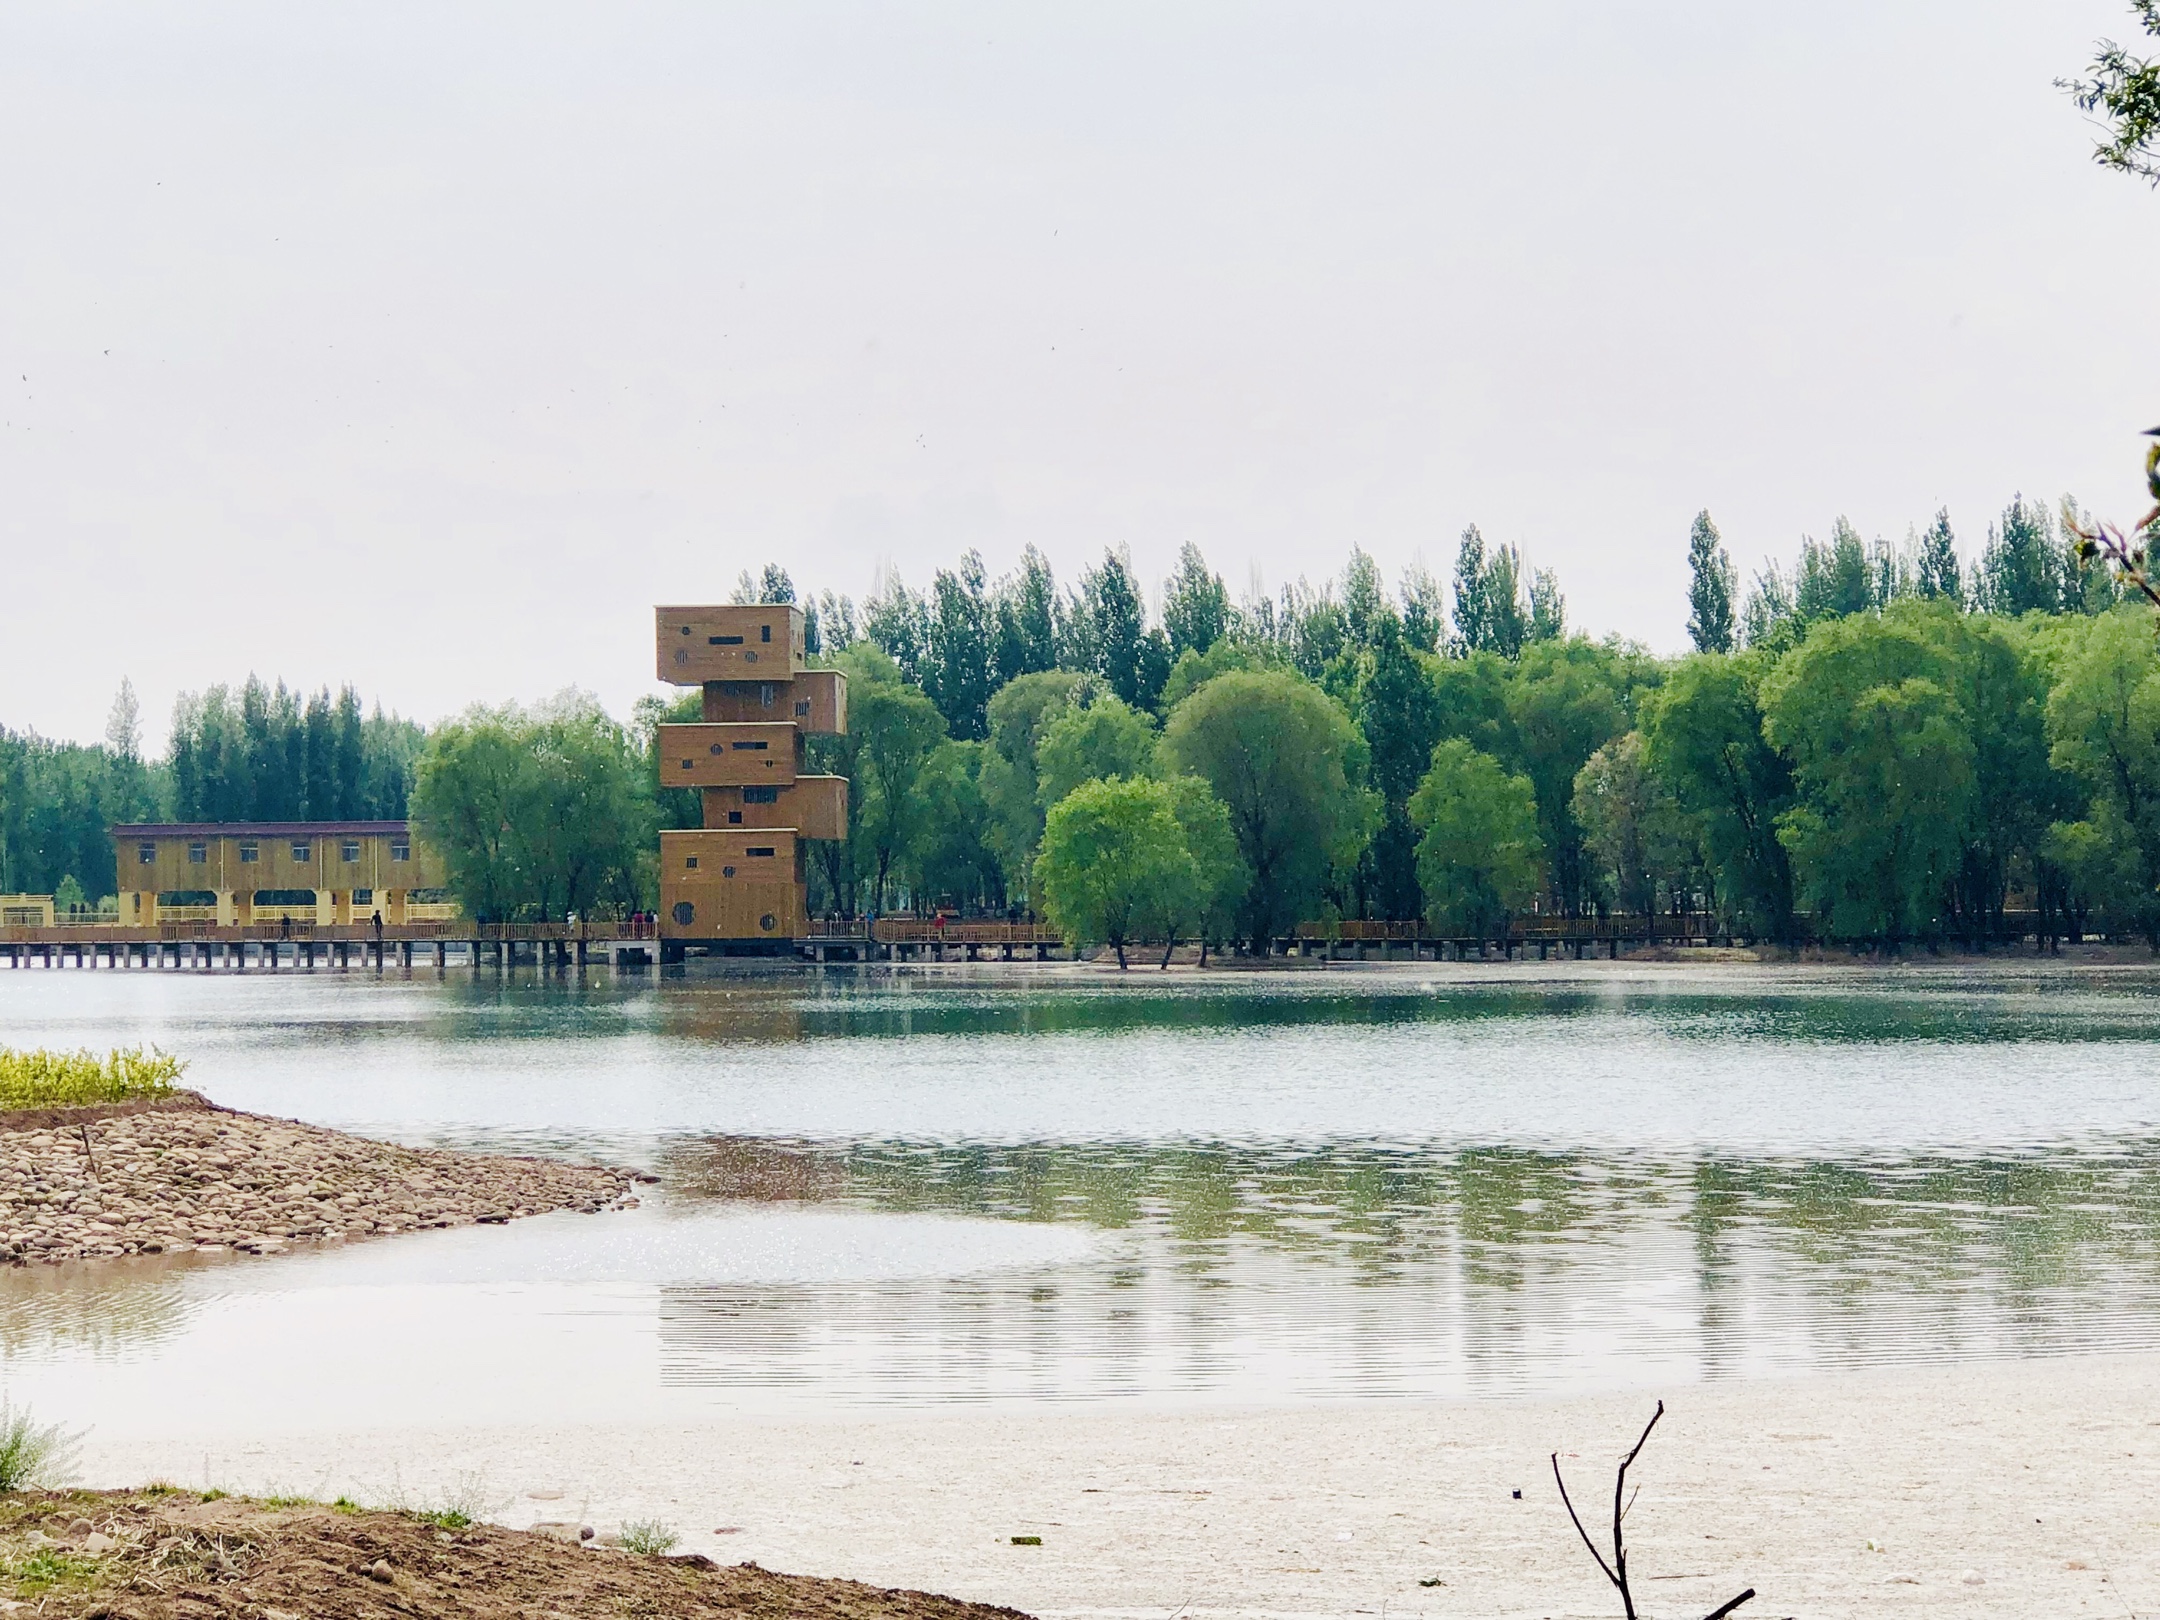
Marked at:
<point>1615,1571</point>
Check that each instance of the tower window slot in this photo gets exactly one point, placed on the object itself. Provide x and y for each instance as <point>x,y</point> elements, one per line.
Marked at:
<point>723,641</point>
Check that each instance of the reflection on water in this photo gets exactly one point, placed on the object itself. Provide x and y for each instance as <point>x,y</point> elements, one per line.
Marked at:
<point>895,1187</point>
<point>1387,1269</point>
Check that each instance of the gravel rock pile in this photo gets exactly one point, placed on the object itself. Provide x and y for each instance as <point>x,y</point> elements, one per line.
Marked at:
<point>170,1180</point>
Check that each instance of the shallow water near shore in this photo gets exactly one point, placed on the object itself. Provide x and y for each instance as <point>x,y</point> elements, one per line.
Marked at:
<point>963,1188</point>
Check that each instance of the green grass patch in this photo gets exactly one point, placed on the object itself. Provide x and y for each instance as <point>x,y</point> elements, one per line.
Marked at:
<point>42,1568</point>
<point>215,1495</point>
<point>346,1504</point>
<point>288,1501</point>
<point>448,1518</point>
<point>42,1079</point>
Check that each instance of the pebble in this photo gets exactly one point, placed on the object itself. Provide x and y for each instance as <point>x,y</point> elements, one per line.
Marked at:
<point>178,1180</point>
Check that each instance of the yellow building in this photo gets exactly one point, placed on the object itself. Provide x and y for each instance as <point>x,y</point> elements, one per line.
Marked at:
<point>26,911</point>
<point>238,873</point>
<point>740,878</point>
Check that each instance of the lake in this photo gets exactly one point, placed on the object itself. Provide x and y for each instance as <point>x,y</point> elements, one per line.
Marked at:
<point>990,1186</point>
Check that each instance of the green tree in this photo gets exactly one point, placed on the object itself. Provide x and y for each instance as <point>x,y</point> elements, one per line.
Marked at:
<point>1205,908</point>
<point>1089,741</point>
<point>1638,840</point>
<point>2023,569</point>
<point>1937,575</point>
<point>951,861</point>
<point>1548,608</point>
<point>1883,756</point>
<point>1111,849</point>
<point>1289,765</point>
<point>2103,724</point>
<point>536,813</point>
<point>1703,737</point>
<point>1399,713</point>
<point>2125,91</point>
<point>1011,781</point>
<point>1507,621</point>
<point>1110,634</point>
<point>582,819</point>
<point>1424,609</point>
<point>841,865</point>
<point>898,622</point>
<point>1710,588</point>
<point>956,665</point>
<point>1473,613</point>
<point>1478,853</point>
<point>1364,599</point>
<point>1563,707</point>
<point>896,729</point>
<point>1024,611</point>
<point>1196,608</point>
<point>466,799</point>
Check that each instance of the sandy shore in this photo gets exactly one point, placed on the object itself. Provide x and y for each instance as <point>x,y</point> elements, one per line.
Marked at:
<point>2018,1488</point>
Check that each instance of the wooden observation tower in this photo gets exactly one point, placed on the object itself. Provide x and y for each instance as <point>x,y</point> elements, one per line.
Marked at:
<point>737,883</point>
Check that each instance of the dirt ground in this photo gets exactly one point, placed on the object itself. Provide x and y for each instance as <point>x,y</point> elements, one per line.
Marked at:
<point>173,1555</point>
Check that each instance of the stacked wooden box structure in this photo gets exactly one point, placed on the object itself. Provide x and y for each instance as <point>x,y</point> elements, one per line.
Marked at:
<point>739,880</point>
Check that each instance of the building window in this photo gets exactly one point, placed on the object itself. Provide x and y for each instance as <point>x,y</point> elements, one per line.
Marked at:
<point>349,851</point>
<point>715,749</point>
<point>690,864</point>
<point>400,849</point>
<point>363,897</point>
<point>764,696</point>
<point>146,853</point>
<point>248,853</point>
<point>765,850</point>
<point>764,632</point>
<point>198,853</point>
<point>802,705</point>
<point>760,795</point>
<point>686,764</point>
<point>302,851</point>
<point>734,818</point>
<point>751,747</point>
<point>723,641</point>
<point>727,871</point>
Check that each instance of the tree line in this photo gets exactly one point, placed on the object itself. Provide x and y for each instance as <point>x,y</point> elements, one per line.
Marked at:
<point>263,753</point>
<point>1874,744</point>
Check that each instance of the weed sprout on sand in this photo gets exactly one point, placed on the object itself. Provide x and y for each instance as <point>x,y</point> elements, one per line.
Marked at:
<point>33,1455</point>
<point>648,1536</point>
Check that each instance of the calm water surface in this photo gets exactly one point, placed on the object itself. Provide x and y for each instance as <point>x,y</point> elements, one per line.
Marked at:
<point>884,1188</point>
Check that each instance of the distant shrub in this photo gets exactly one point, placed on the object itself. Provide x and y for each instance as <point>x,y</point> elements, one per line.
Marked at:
<point>42,1079</point>
<point>33,1454</point>
<point>648,1536</point>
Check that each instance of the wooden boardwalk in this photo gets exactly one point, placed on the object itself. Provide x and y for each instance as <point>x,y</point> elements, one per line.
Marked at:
<point>303,947</point>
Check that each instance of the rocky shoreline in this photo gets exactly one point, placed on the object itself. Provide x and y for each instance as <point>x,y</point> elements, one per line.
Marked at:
<point>183,1175</point>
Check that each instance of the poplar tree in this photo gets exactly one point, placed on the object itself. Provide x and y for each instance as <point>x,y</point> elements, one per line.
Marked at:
<point>1196,608</point>
<point>1937,574</point>
<point>956,662</point>
<point>1473,619</point>
<point>1710,588</point>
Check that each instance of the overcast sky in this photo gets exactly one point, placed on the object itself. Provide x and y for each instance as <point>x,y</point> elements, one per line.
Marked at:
<point>427,347</point>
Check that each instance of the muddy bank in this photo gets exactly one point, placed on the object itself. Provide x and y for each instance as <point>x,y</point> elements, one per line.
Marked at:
<point>182,1174</point>
<point>138,1555</point>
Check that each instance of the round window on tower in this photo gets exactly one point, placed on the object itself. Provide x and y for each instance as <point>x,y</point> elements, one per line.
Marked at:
<point>767,922</point>
<point>685,913</point>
